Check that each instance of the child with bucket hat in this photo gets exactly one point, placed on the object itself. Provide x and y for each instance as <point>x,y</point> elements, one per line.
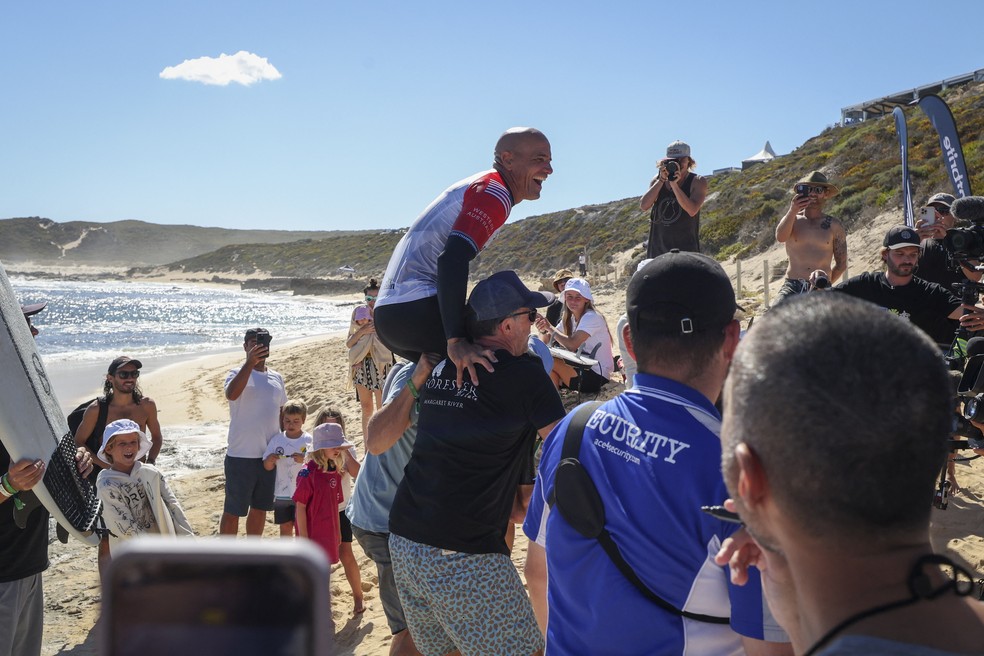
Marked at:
<point>136,498</point>
<point>319,490</point>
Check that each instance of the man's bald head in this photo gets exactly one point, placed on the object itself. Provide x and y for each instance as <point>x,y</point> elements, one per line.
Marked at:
<point>515,139</point>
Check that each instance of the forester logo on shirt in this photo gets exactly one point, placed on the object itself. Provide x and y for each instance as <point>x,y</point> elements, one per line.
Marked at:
<point>645,442</point>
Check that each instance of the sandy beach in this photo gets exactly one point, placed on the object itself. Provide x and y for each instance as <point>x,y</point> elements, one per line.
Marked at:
<point>189,396</point>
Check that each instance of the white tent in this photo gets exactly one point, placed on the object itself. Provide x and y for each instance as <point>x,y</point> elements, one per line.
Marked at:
<point>764,155</point>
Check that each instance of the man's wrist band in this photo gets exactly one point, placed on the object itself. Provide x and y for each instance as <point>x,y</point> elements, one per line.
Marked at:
<point>414,393</point>
<point>8,489</point>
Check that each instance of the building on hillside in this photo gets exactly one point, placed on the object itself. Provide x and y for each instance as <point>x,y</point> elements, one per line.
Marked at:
<point>884,105</point>
<point>764,155</point>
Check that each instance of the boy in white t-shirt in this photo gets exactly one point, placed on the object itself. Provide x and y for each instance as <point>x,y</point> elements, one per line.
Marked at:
<point>286,453</point>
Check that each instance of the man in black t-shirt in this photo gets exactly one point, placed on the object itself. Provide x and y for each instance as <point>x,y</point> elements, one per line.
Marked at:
<point>24,551</point>
<point>928,305</point>
<point>675,197</point>
<point>469,475</point>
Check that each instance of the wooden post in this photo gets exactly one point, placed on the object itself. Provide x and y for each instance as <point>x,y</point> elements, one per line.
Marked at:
<point>766,277</point>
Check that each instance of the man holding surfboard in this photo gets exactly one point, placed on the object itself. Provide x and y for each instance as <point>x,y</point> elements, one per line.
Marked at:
<point>24,551</point>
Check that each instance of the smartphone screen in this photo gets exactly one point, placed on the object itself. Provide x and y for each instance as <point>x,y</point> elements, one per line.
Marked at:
<point>194,604</point>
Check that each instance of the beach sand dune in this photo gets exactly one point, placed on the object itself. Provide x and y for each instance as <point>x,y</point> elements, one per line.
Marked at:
<point>189,394</point>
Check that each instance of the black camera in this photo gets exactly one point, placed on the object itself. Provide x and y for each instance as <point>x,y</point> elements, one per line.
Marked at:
<point>966,243</point>
<point>672,169</point>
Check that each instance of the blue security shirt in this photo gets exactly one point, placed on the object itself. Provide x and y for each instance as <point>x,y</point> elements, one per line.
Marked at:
<point>654,453</point>
<point>380,476</point>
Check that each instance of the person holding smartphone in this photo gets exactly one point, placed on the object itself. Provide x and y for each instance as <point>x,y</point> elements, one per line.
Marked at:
<point>815,241</point>
<point>936,262</point>
<point>256,397</point>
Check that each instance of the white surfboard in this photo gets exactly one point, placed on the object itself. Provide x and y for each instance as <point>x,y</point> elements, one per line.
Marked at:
<point>33,426</point>
<point>572,358</point>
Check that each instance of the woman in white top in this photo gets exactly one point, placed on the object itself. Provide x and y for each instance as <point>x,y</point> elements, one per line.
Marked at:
<point>583,330</point>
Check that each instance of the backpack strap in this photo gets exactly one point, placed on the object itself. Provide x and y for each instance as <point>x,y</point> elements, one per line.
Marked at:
<point>582,507</point>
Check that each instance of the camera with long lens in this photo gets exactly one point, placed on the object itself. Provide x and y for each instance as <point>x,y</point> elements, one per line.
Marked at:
<point>672,169</point>
<point>967,243</point>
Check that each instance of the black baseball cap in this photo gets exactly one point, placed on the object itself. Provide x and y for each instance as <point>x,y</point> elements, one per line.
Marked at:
<point>900,237</point>
<point>121,361</point>
<point>503,292</point>
<point>678,294</point>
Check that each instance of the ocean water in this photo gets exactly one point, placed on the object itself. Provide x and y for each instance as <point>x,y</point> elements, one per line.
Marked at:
<point>96,321</point>
<point>87,324</point>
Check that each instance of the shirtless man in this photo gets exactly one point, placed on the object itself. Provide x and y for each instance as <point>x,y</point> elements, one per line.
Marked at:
<point>812,238</point>
<point>123,400</point>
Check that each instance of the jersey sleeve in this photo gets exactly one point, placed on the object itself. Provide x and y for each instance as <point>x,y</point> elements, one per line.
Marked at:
<point>304,490</point>
<point>485,208</point>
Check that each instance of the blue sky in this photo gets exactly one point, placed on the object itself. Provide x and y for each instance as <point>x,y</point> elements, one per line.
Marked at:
<point>381,105</point>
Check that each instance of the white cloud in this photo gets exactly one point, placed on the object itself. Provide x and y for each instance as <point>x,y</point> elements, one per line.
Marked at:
<point>243,68</point>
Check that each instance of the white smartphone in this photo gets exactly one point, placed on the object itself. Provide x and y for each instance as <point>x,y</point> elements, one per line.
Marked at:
<point>927,214</point>
<point>217,596</point>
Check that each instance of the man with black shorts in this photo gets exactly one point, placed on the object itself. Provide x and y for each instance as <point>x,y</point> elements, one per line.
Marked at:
<point>256,397</point>
<point>420,308</point>
<point>470,474</point>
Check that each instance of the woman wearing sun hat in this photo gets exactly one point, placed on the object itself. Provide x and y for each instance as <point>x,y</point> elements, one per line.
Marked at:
<point>583,330</point>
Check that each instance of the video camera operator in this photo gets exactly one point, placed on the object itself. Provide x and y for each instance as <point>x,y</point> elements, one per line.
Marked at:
<point>675,195</point>
<point>936,259</point>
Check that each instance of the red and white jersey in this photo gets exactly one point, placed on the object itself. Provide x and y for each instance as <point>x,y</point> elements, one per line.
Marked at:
<point>474,208</point>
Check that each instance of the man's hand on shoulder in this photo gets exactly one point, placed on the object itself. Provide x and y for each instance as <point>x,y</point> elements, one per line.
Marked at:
<point>466,355</point>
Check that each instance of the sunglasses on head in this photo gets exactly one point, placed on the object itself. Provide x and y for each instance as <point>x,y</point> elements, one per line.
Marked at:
<point>128,374</point>
<point>531,315</point>
<point>804,189</point>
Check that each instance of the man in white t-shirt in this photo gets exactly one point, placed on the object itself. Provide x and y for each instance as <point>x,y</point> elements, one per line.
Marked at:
<point>256,398</point>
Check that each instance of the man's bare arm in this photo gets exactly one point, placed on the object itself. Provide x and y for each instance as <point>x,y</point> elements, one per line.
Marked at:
<point>388,424</point>
<point>785,228</point>
<point>698,193</point>
<point>649,198</point>
<point>154,429</point>
<point>536,580</point>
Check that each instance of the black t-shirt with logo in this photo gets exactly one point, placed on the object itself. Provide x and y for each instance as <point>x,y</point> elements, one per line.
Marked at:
<point>925,304</point>
<point>23,551</point>
<point>474,446</point>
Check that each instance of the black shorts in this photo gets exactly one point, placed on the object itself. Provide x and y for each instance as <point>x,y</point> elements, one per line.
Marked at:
<point>409,329</point>
<point>589,381</point>
<point>248,485</point>
<point>345,527</point>
<point>284,511</point>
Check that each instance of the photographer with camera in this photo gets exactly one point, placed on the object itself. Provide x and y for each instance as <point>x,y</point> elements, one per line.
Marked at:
<point>675,195</point>
<point>256,397</point>
<point>937,260</point>
<point>928,305</point>
<point>813,240</point>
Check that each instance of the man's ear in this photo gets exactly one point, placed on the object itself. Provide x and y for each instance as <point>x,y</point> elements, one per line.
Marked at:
<point>732,334</point>
<point>753,484</point>
<point>627,338</point>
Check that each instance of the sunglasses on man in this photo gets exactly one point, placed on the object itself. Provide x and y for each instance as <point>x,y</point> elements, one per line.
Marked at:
<point>805,189</point>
